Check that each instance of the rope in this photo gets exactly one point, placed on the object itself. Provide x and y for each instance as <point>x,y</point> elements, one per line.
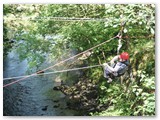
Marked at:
<point>119,45</point>
<point>120,34</point>
<point>56,18</point>
<point>34,74</point>
<point>59,18</point>
<point>61,71</point>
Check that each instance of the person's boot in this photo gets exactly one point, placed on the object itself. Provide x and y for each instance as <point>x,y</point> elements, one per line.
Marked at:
<point>109,80</point>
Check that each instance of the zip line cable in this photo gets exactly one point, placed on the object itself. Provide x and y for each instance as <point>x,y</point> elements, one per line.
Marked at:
<point>60,18</point>
<point>61,71</point>
<point>34,74</point>
<point>56,18</point>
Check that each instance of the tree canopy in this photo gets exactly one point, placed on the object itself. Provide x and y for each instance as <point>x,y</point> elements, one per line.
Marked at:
<point>37,34</point>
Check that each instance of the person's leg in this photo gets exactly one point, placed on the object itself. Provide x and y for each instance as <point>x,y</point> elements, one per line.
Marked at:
<point>107,72</point>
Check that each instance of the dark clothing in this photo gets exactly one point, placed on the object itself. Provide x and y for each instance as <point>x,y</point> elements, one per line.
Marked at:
<point>123,67</point>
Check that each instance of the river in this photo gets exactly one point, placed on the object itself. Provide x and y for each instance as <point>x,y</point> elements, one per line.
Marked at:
<point>33,96</point>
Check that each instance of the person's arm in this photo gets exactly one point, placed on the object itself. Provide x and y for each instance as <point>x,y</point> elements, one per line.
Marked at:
<point>111,69</point>
<point>114,59</point>
<point>112,62</point>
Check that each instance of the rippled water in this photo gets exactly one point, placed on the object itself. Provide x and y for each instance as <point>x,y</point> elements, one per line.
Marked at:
<point>33,96</point>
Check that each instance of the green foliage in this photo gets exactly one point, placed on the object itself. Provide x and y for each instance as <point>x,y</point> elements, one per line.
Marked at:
<point>138,100</point>
<point>145,95</point>
<point>7,41</point>
<point>39,38</point>
<point>109,112</point>
<point>88,32</point>
<point>142,15</point>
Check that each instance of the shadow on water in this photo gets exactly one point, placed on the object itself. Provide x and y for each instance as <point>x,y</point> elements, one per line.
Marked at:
<point>34,96</point>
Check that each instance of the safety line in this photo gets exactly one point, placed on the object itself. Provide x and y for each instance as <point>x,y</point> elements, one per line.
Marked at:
<point>61,71</point>
<point>56,18</point>
<point>59,18</point>
<point>60,62</point>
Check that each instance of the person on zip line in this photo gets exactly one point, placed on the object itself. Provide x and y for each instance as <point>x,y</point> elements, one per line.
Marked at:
<point>118,66</point>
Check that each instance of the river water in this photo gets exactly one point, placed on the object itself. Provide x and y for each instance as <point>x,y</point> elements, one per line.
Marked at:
<point>33,96</point>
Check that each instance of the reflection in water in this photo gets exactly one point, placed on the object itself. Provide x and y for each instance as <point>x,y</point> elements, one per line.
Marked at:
<point>33,96</point>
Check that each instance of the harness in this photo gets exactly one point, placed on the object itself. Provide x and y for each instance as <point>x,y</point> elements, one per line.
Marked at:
<point>123,66</point>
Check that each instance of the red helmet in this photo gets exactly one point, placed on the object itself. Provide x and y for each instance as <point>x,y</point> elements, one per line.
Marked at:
<point>124,56</point>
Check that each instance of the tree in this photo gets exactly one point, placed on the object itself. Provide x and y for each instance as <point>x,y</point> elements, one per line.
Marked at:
<point>33,27</point>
